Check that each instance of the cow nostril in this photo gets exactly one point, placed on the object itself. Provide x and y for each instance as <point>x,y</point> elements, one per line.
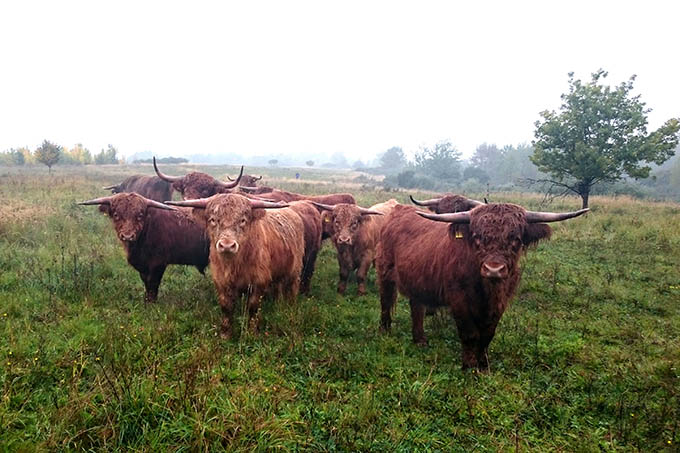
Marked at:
<point>494,270</point>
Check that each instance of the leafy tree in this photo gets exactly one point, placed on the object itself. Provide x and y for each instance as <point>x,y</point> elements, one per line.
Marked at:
<point>486,157</point>
<point>441,162</point>
<point>48,154</point>
<point>474,172</point>
<point>393,158</point>
<point>273,162</point>
<point>599,135</point>
<point>106,156</point>
<point>310,163</point>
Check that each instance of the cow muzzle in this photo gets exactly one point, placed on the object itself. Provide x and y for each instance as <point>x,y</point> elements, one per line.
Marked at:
<point>127,237</point>
<point>345,240</point>
<point>227,246</point>
<point>494,270</point>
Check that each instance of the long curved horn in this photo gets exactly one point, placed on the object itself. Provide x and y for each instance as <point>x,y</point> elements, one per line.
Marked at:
<point>199,203</point>
<point>257,179</point>
<point>545,217</point>
<point>456,217</point>
<point>115,186</point>
<point>426,203</point>
<point>257,197</point>
<point>365,211</point>
<point>101,200</point>
<point>248,188</point>
<point>232,184</point>
<point>261,204</point>
<point>325,207</point>
<point>164,176</point>
<point>156,204</point>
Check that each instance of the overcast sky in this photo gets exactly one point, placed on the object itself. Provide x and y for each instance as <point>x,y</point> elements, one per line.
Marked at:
<point>254,77</point>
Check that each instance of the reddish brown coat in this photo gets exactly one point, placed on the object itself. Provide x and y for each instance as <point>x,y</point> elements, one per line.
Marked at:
<point>151,187</point>
<point>355,236</point>
<point>155,238</point>
<point>429,264</point>
<point>253,251</point>
<point>311,220</point>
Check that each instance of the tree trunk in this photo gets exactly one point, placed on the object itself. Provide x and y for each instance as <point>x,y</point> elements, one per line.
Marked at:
<point>584,197</point>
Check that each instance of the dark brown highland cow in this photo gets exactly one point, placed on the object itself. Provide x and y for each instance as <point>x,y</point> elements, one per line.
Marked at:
<point>448,202</point>
<point>355,232</point>
<point>282,195</point>
<point>252,251</point>
<point>154,235</point>
<point>248,180</point>
<point>197,184</point>
<point>151,187</point>
<point>470,266</point>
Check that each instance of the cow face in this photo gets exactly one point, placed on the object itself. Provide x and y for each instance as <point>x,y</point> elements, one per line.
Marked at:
<point>346,221</point>
<point>228,219</point>
<point>198,185</point>
<point>498,233</point>
<point>128,213</point>
<point>453,203</point>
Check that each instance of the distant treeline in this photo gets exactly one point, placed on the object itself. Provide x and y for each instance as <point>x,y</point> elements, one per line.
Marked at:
<point>59,155</point>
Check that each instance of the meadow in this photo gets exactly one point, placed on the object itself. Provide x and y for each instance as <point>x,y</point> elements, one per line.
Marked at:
<point>586,358</point>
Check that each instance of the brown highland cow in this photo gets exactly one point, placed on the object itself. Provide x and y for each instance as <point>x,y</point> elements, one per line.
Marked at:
<point>252,251</point>
<point>197,184</point>
<point>355,232</point>
<point>154,236</point>
<point>469,263</point>
<point>151,187</point>
<point>448,202</point>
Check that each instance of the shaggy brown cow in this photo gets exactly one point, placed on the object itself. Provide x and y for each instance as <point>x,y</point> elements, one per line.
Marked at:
<point>247,180</point>
<point>355,232</point>
<point>252,251</point>
<point>448,202</point>
<point>154,235</point>
<point>282,195</point>
<point>311,221</point>
<point>197,184</point>
<point>151,187</point>
<point>470,265</point>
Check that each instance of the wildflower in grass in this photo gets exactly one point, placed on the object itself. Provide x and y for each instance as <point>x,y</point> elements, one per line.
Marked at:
<point>98,359</point>
<point>35,359</point>
<point>9,363</point>
<point>4,315</point>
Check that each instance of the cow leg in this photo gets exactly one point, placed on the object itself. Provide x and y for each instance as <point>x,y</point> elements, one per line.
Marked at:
<point>308,271</point>
<point>152,280</point>
<point>344,276</point>
<point>226,301</point>
<point>362,271</point>
<point>254,302</point>
<point>417,315</point>
<point>486,335</point>
<point>388,298</point>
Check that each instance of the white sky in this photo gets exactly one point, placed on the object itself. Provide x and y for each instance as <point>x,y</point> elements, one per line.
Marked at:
<point>255,77</point>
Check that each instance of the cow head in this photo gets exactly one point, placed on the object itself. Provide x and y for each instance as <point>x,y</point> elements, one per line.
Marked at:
<point>343,221</point>
<point>498,233</point>
<point>196,184</point>
<point>248,180</point>
<point>448,203</point>
<point>114,188</point>
<point>228,218</point>
<point>128,211</point>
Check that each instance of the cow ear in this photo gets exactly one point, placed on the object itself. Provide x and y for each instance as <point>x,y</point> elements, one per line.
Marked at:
<point>535,232</point>
<point>460,231</point>
<point>105,208</point>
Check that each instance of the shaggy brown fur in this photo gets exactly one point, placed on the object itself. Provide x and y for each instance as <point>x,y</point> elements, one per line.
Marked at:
<point>452,203</point>
<point>154,238</point>
<point>252,251</point>
<point>430,265</point>
<point>311,220</point>
<point>355,236</point>
<point>151,187</point>
<point>333,198</point>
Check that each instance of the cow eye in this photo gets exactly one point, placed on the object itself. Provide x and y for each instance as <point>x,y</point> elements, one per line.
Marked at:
<point>140,216</point>
<point>212,221</point>
<point>115,215</point>
<point>243,221</point>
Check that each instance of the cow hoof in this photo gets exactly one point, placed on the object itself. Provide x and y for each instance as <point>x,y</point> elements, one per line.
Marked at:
<point>421,343</point>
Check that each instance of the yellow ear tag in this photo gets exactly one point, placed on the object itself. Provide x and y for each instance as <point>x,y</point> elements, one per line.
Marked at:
<point>326,219</point>
<point>459,235</point>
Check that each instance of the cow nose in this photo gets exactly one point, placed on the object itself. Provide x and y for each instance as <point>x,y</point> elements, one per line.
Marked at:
<point>494,270</point>
<point>344,240</point>
<point>226,246</point>
<point>126,236</point>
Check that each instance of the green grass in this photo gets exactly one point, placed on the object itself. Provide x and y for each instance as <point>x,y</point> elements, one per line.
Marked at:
<point>585,359</point>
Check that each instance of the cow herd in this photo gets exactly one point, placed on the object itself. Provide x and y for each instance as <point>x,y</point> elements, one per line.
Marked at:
<point>261,242</point>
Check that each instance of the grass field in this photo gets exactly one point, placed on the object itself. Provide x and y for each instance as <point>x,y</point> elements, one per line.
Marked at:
<point>587,357</point>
